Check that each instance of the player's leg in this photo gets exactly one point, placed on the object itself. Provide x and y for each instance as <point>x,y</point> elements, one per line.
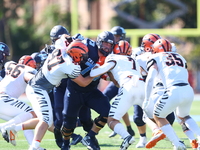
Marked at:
<point>20,113</point>
<point>119,107</point>
<point>168,102</point>
<point>184,118</point>
<point>72,105</point>
<point>97,101</point>
<point>141,125</point>
<point>42,106</point>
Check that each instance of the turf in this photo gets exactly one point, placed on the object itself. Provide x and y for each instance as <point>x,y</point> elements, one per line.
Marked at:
<point>105,142</point>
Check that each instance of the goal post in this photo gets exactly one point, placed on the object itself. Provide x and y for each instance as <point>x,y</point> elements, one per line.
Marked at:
<point>135,34</point>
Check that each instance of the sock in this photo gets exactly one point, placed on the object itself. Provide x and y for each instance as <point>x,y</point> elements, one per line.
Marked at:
<point>18,119</point>
<point>192,125</point>
<point>92,133</point>
<point>171,135</point>
<point>190,135</point>
<point>66,142</point>
<point>129,127</point>
<point>19,127</point>
<point>21,118</point>
<point>119,129</point>
<point>35,144</point>
<point>143,135</point>
<point>29,136</point>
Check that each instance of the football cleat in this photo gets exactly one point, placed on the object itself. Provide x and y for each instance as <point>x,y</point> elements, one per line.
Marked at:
<point>113,134</point>
<point>76,139</point>
<point>65,147</point>
<point>9,134</point>
<point>90,142</point>
<point>194,144</point>
<point>181,146</point>
<point>127,142</point>
<point>156,138</point>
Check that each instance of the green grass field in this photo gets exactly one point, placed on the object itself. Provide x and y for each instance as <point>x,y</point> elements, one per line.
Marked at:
<point>105,142</point>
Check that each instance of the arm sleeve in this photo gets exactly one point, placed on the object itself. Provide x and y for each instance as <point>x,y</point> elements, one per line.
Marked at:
<point>102,69</point>
<point>149,82</point>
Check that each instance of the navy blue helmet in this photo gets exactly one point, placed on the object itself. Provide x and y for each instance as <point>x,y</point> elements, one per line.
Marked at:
<point>4,51</point>
<point>108,37</point>
<point>117,30</point>
<point>57,31</point>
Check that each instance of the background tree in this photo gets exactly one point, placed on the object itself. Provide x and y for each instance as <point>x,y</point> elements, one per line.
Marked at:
<point>21,33</point>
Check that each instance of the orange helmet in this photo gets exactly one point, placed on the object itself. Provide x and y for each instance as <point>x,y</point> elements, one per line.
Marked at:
<point>28,61</point>
<point>78,51</point>
<point>148,40</point>
<point>123,48</point>
<point>162,45</point>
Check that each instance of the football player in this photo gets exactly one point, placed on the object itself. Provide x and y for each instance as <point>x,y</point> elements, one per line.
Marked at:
<point>178,95</point>
<point>125,73</point>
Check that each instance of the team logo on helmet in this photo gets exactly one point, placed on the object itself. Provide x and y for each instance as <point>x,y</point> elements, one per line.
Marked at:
<point>78,51</point>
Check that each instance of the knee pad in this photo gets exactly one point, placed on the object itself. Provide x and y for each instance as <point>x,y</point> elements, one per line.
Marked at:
<point>66,132</point>
<point>184,127</point>
<point>87,125</point>
<point>171,118</point>
<point>100,119</point>
<point>138,121</point>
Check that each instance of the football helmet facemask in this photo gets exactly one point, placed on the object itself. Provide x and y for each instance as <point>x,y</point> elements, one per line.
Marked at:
<point>108,37</point>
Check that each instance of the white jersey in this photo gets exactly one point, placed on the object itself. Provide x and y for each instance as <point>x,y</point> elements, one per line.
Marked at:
<point>125,66</point>
<point>13,83</point>
<point>57,66</point>
<point>142,60</point>
<point>171,67</point>
<point>136,52</point>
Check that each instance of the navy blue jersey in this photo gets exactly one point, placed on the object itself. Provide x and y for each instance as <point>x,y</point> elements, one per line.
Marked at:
<point>2,73</point>
<point>86,67</point>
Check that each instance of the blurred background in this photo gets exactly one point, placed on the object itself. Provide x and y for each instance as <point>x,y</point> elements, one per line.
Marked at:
<point>25,24</point>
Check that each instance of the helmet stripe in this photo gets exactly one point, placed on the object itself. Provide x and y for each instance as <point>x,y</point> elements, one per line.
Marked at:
<point>78,47</point>
<point>27,62</point>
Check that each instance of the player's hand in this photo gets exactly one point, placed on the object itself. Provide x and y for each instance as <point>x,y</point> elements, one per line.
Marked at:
<point>68,39</point>
<point>105,77</point>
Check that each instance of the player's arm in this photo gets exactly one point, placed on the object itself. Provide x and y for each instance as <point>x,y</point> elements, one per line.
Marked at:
<point>97,71</point>
<point>152,73</point>
<point>81,81</point>
<point>28,76</point>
